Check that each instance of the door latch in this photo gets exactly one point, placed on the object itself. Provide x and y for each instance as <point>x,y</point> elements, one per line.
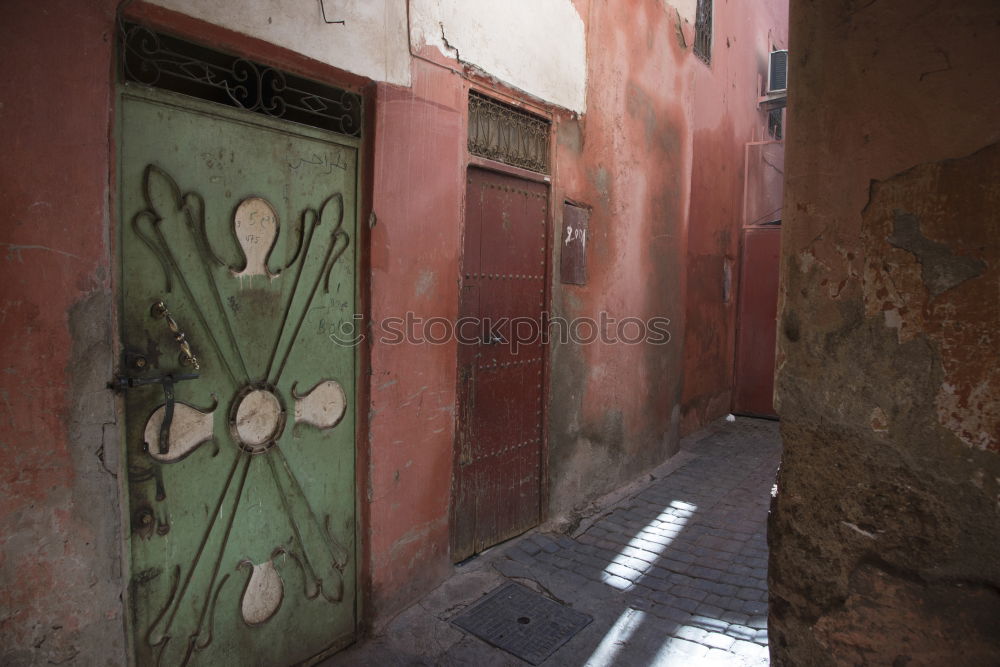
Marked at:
<point>159,310</point>
<point>493,338</point>
<point>123,382</point>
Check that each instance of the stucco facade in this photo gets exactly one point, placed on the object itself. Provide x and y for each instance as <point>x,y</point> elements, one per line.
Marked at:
<point>644,133</point>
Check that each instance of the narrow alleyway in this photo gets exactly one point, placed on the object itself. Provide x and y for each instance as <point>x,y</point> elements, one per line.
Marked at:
<point>673,574</point>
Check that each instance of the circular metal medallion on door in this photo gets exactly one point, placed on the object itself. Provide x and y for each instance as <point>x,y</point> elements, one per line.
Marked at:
<point>257,418</point>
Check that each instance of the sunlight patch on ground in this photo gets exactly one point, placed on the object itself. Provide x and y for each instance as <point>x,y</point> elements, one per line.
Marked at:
<point>616,638</point>
<point>648,545</point>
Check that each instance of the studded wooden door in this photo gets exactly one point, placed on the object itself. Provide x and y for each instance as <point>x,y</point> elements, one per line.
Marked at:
<point>237,243</point>
<point>501,361</point>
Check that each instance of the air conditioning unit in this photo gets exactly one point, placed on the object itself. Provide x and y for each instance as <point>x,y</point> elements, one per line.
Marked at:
<point>777,72</point>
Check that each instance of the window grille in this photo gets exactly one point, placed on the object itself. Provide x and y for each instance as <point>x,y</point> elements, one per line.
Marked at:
<point>703,31</point>
<point>775,118</point>
<point>501,132</point>
<point>154,59</point>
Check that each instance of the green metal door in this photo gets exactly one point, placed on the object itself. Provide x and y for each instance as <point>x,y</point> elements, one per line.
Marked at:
<point>237,264</point>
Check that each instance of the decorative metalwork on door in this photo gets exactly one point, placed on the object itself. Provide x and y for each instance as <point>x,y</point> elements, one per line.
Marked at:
<point>154,59</point>
<point>238,263</point>
<point>500,132</point>
<point>497,479</point>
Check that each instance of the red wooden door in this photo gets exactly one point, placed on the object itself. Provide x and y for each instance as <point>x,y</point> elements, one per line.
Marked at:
<point>758,312</point>
<point>500,364</point>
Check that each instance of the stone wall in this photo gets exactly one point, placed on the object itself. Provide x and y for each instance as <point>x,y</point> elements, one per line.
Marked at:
<point>885,530</point>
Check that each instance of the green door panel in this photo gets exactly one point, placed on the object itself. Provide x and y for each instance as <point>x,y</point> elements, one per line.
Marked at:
<point>237,245</point>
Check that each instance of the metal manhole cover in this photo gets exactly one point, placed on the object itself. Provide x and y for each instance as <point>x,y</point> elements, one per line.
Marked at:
<point>522,622</point>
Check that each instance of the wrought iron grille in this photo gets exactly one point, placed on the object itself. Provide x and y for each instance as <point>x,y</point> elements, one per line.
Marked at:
<point>703,31</point>
<point>161,61</point>
<point>775,118</point>
<point>504,133</point>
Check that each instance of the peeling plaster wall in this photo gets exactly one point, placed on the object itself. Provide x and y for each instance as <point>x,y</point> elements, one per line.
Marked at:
<point>60,554</point>
<point>725,118</point>
<point>537,47</point>
<point>884,534</point>
<point>372,41</point>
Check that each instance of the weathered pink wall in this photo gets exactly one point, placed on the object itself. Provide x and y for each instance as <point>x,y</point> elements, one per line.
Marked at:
<point>885,533</point>
<point>614,409</point>
<point>59,546</point>
<point>419,185</point>
<point>725,117</point>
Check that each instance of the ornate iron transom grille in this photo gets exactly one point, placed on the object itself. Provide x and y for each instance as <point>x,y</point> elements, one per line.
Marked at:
<point>161,61</point>
<point>504,133</point>
<point>703,31</point>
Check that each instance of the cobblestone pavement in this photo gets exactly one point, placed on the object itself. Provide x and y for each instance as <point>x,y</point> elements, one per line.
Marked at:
<point>673,574</point>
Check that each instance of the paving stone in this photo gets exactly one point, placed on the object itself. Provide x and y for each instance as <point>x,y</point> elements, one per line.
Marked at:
<point>586,559</point>
<point>670,613</point>
<point>616,581</point>
<point>565,542</point>
<point>735,579</point>
<point>718,600</point>
<point>716,657</point>
<point>529,547</point>
<point>623,571</point>
<point>521,557</point>
<point>741,632</point>
<point>735,617</point>
<point>545,543</point>
<point>703,572</point>
<point>648,557</point>
<point>711,610</point>
<point>673,565</point>
<point>749,651</point>
<point>691,633</point>
<point>724,590</point>
<point>748,594</point>
<point>637,564</point>
<point>684,604</point>
<point>683,648</point>
<point>718,640</point>
<point>708,622</point>
<point>658,573</point>
<point>688,592</point>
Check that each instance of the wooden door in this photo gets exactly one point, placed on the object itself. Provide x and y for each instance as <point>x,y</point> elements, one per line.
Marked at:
<point>237,260</point>
<point>758,312</point>
<point>497,480</point>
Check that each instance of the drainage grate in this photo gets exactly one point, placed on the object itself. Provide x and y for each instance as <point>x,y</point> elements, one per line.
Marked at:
<point>522,622</point>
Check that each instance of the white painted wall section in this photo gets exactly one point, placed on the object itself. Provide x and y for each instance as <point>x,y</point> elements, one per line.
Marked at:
<point>538,46</point>
<point>686,9</point>
<point>372,43</point>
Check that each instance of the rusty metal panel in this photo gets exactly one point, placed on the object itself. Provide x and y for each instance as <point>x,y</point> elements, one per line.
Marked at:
<point>573,245</point>
<point>498,458</point>
<point>758,311</point>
